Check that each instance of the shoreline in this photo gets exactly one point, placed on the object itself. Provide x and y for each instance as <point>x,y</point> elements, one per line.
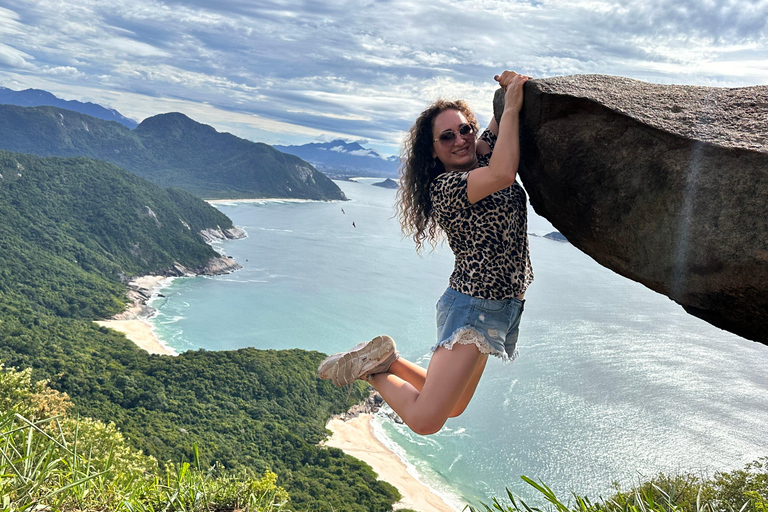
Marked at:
<point>356,437</point>
<point>265,200</point>
<point>133,322</point>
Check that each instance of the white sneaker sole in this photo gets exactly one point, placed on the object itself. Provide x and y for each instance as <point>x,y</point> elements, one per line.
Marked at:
<point>346,367</point>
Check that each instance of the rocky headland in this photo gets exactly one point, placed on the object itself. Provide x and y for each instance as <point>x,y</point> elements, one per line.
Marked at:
<point>141,288</point>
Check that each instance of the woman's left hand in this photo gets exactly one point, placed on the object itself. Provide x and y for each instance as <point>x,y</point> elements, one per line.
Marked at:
<point>512,83</point>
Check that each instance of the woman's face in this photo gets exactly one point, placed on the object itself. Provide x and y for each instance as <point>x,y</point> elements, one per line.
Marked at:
<point>459,153</point>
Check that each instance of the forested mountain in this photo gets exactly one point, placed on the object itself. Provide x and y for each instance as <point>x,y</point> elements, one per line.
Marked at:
<point>169,150</point>
<point>38,98</point>
<point>345,159</point>
<point>71,227</point>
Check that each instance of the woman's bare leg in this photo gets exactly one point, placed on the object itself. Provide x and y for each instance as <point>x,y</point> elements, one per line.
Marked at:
<point>416,375</point>
<point>448,376</point>
<point>409,372</point>
<point>469,391</point>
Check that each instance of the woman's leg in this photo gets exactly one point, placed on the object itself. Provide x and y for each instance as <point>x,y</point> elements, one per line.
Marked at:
<point>409,372</point>
<point>449,374</point>
<point>415,375</point>
<point>469,391</point>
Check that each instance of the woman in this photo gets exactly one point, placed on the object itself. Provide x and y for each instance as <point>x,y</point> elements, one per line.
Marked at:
<point>464,187</point>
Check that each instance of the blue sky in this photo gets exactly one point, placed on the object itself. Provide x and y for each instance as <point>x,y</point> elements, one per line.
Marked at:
<point>291,72</point>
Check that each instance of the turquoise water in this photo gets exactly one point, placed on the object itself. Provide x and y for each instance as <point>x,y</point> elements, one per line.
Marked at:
<point>614,382</point>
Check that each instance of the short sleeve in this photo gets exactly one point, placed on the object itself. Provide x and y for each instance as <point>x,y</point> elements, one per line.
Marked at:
<point>449,193</point>
<point>489,137</point>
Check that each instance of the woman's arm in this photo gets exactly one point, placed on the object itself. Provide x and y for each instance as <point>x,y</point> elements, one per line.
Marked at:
<point>502,169</point>
<point>482,147</point>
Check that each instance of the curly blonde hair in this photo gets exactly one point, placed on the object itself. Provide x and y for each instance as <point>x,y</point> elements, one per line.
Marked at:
<point>418,168</point>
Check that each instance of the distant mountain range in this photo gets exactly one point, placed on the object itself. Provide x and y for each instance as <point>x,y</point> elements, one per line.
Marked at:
<point>340,159</point>
<point>39,98</point>
<point>170,150</point>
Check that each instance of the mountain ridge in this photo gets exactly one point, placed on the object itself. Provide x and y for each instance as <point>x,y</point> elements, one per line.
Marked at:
<point>40,98</point>
<point>170,150</point>
<point>343,159</point>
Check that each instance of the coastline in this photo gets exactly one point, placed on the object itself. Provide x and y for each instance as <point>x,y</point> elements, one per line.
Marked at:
<point>356,437</point>
<point>133,321</point>
<point>262,200</point>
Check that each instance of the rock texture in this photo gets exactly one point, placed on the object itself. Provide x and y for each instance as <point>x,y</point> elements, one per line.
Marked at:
<point>370,405</point>
<point>217,235</point>
<point>664,184</point>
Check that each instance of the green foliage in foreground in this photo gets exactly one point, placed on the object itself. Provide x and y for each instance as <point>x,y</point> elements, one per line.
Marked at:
<point>743,490</point>
<point>52,461</point>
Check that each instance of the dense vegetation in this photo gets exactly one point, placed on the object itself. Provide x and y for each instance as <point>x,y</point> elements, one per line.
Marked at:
<point>50,460</point>
<point>71,228</point>
<point>169,150</point>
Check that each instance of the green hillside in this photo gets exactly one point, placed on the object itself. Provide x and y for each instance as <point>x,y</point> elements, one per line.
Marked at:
<point>169,150</point>
<point>70,230</point>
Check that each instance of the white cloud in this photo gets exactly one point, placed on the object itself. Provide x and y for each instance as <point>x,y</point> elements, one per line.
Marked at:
<point>363,152</point>
<point>69,71</point>
<point>13,58</point>
<point>291,69</point>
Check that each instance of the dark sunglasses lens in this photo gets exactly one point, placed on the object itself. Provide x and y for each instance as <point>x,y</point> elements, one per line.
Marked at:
<point>447,137</point>
<point>465,129</point>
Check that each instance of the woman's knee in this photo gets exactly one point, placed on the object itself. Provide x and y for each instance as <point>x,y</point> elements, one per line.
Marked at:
<point>458,410</point>
<point>426,426</point>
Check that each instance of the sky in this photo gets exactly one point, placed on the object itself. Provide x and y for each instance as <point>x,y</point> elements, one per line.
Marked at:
<point>293,72</point>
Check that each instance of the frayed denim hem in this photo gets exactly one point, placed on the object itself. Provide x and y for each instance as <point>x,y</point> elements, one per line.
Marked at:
<point>470,336</point>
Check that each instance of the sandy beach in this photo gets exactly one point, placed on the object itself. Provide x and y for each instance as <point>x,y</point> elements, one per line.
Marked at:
<point>356,438</point>
<point>139,332</point>
<point>131,321</point>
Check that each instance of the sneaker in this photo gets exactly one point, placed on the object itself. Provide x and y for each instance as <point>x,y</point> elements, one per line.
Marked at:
<point>367,358</point>
<point>330,361</point>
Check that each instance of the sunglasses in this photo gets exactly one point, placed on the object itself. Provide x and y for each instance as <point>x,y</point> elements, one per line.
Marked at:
<point>448,137</point>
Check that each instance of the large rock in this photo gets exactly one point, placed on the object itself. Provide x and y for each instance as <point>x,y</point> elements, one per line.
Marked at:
<point>664,184</point>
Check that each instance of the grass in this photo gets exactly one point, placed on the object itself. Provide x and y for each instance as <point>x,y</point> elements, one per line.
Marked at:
<point>744,490</point>
<point>51,462</point>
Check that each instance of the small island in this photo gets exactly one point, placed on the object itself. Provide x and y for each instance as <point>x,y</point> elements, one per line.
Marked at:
<point>387,183</point>
<point>556,236</point>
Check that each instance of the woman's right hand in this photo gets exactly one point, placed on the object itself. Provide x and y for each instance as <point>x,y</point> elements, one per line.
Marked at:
<point>502,168</point>
<point>512,83</point>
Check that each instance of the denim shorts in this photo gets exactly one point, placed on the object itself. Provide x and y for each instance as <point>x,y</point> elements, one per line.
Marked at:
<point>492,325</point>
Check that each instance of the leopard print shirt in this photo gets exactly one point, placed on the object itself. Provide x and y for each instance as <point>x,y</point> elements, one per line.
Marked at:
<point>489,239</point>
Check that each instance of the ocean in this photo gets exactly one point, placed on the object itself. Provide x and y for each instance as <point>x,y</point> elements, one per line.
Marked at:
<point>614,382</point>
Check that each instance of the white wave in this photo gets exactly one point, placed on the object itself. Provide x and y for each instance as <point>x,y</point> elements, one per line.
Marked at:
<point>275,229</point>
<point>168,320</point>
<point>424,474</point>
<point>261,201</point>
<point>172,351</point>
